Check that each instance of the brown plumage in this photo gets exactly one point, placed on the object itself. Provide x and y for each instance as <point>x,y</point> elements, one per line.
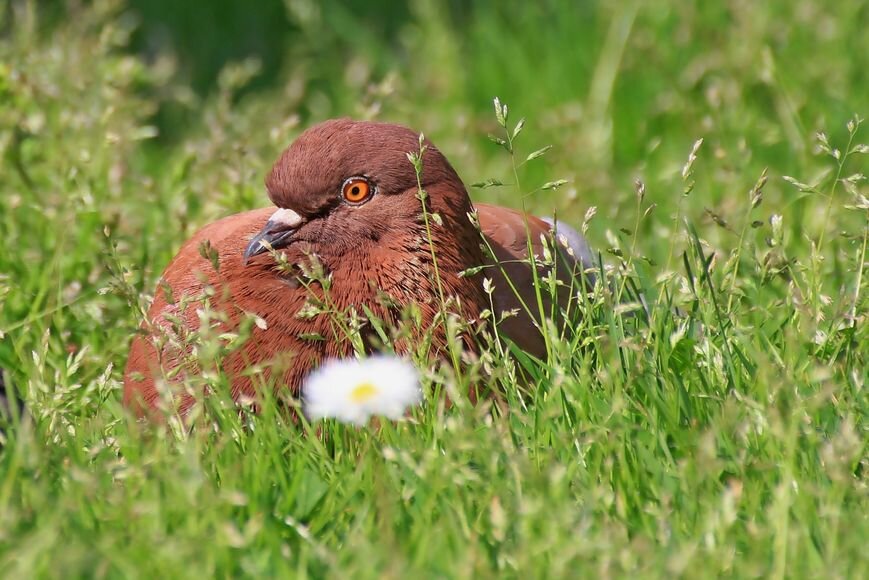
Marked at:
<point>370,249</point>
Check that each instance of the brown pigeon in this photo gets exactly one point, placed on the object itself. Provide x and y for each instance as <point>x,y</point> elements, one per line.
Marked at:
<point>348,205</point>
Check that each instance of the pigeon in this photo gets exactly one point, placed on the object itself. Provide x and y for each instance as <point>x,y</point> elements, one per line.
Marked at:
<point>355,224</point>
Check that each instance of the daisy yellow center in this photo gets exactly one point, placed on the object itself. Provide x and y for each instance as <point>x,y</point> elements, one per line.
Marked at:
<point>363,392</point>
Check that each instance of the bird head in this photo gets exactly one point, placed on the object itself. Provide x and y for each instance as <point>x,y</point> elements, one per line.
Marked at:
<point>343,185</point>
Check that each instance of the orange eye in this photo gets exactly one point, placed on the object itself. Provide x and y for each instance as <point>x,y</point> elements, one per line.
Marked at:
<point>356,190</point>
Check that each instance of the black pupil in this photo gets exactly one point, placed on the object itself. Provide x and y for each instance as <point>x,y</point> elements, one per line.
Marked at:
<point>355,190</point>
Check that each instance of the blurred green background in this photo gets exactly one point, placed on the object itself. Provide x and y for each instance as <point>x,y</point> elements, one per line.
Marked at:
<point>610,81</point>
<point>621,89</point>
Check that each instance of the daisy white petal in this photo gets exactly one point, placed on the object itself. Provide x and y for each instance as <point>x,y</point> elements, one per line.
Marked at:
<point>353,390</point>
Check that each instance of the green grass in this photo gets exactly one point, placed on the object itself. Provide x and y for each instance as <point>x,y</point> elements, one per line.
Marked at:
<point>722,435</point>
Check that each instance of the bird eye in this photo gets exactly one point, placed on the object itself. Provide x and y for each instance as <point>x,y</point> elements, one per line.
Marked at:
<point>356,190</point>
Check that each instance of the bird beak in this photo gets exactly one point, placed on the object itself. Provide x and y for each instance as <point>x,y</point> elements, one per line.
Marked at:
<point>276,234</point>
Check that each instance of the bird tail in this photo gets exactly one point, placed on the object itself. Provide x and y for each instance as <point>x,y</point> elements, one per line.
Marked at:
<point>575,241</point>
<point>582,251</point>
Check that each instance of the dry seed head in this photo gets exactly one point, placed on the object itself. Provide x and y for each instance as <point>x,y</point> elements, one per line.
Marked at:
<point>589,214</point>
<point>687,169</point>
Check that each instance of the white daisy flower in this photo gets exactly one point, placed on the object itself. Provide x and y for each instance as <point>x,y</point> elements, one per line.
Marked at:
<point>352,390</point>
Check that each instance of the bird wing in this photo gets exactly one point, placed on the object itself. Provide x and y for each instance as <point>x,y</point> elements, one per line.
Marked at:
<point>509,234</point>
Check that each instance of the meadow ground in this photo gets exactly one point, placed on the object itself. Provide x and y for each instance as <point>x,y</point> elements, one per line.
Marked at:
<point>723,433</point>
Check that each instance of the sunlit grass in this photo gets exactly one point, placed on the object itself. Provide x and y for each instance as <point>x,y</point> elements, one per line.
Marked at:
<point>720,432</point>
